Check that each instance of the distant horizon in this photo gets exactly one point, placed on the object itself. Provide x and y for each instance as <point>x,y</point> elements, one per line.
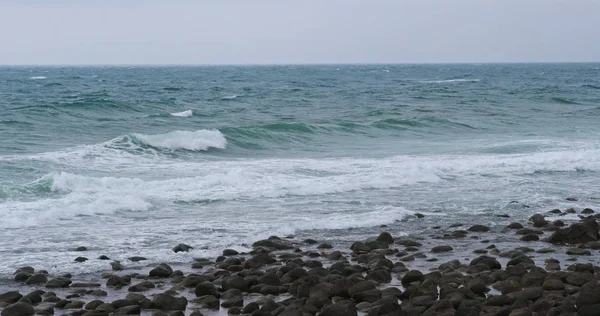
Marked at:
<point>300,64</point>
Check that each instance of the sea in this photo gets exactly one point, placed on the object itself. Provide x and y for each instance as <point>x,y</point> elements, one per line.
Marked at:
<point>133,160</point>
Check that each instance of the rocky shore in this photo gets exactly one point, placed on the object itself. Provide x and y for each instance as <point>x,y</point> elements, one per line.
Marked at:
<point>546,266</point>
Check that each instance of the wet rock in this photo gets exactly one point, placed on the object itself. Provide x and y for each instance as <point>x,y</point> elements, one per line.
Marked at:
<point>587,211</point>
<point>168,302</point>
<point>586,231</point>
<point>277,244</point>
<point>182,248</point>
<point>206,288</point>
<point>81,259</point>
<point>386,238</point>
<point>58,283</point>
<point>137,259</point>
<point>163,270</point>
<point>74,305</point>
<point>91,305</point>
<point>419,215</point>
<point>81,248</point>
<point>117,266</point>
<point>578,252</point>
<point>530,237</point>
<point>141,287</point>
<point>324,246</point>
<point>379,276</point>
<point>438,249</point>
<point>128,310</point>
<point>499,300</point>
<point>233,302</point>
<point>367,296</point>
<point>491,262</point>
<point>230,252</point>
<point>341,308</point>
<point>207,301</point>
<point>479,228</point>
<point>412,276</point>
<point>514,225</point>
<point>10,297</point>
<point>18,309</point>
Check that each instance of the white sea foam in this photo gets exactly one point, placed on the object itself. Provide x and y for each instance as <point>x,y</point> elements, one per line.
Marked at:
<point>188,140</point>
<point>38,78</point>
<point>229,97</point>
<point>449,81</point>
<point>186,113</point>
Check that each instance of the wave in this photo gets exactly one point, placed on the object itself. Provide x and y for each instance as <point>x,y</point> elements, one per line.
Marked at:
<point>199,140</point>
<point>229,97</point>
<point>563,101</point>
<point>449,81</point>
<point>186,113</point>
<point>591,86</point>
<point>38,78</point>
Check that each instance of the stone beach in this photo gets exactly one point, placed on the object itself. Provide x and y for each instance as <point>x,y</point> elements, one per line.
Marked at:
<point>545,266</point>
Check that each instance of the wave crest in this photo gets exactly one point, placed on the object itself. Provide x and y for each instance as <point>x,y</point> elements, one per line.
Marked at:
<point>199,140</point>
<point>186,113</point>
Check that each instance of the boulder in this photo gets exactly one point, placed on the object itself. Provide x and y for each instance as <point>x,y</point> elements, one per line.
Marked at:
<point>182,248</point>
<point>577,233</point>
<point>163,270</point>
<point>168,302</point>
<point>58,283</point>
<point>18,309</point>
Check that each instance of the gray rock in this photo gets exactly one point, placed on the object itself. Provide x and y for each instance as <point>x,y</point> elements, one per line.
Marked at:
<point>128,310</point>
<point>341,308</point>
<point>367,296</point>
<point>233,302</point>
<point>163,270</point>
<point>438,249</point>
<point>412,276</point>
<point>117,266</point>
<point>18,309</point>
<point>386,238</point>
<point>10,297</point>
<point>168,302</point>
<point>58,283</point>
<point>206,288</point>
<point>207,301</point>
<point>182,248</point>
<point>578,252</point>
<point>479,228</point>
<point>491,262</point>
<point>137,259</point>
<point>577,233</point>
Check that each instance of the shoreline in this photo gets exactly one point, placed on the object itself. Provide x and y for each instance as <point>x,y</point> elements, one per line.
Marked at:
<point>450,270</point>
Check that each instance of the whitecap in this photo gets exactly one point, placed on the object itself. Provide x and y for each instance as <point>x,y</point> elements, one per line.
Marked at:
<point>449,81</point>
<point>186,113</point>
<point>229,97</point>
<point>38,78</point>
<point>189,140</point>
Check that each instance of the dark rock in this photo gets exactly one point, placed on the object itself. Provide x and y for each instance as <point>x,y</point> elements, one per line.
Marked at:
<point>81,259</point>
<point>386,238</point>
<point>230,252</point>
<point>182,248</point>
<point>233,302</point>
<point>587,211</point>
<point>137,259</point>
<point>18,309</point>
<point>367,296</point>
<point>37,279</point>
<point>273,243</point>
<point>116,281</point>
<point>514,225</point>
<point>206,288</point>
<point>128,310</point>
<point>521,312</point>
<point>419,215</point>
<point>341,308</point>
<point>103,257</point>
<point>207,301</point>
<point>123,302</point>
<point>499,300</point>
<point>117,266</point>
<point>163,270</point>
<point>440,308</point>
<point>74,305</point>
<point>250,308</point>
<point>577,233</point>
<point>438,249</point>
<point>479,228</point>
<point>168,302</point>
<point>379,276</point>
<point>93,304</point>
<point>412,276</point>
<point>519,260</point>
<point>527,231</point>
<point>491,262</point>
<point>578,252</point>
<point>269,278</point>
<point>235,282</point>
<point>141,287</point>
<point>10,297</point>
<point>358,287</point>
<point>324,246</point>
<point>81,248</point>
<point>58,283</point>
<point>530,237</point>
<point>571,199</point>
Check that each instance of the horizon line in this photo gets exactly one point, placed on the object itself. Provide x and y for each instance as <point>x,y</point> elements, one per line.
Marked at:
<point>294,64</point>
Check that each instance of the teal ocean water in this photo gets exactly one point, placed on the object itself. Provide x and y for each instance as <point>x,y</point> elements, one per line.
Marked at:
<point>133,160</point>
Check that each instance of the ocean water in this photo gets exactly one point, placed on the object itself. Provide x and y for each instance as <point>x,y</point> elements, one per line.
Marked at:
<point>133,160</point>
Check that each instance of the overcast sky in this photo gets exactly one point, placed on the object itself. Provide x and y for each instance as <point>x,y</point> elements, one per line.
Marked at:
<point>297,31</point>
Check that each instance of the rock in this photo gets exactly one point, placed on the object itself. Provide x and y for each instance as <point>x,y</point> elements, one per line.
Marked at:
<point>182,248</point>
<point>81,248</point>
<point>370,296</point>
<point>438,249</point>
<point>37,279</point>
<point>386,238</point>
<point>81,284</point>
<point>578,252</point>
<point>479,228</point>
<point>521,312</point>
<point>341,308</point>
<point>379,276</point>
<point>22,276</point>
<point>168,302</point>
<point>527,231</point>
<point>514,225</point>
<point>571,199</point>
<point>324,246</point>
<point>206,288</point>
<point>419,215</point>
<point>18,309</point>
<point>163,270</point>
<point>577,233</point>
<point>115,281</point>
<point>81,259</point>
<point>117,266</point>
<point>207,301</point>
<point>520,259</point>
<point>10,297</point>
<point>74,305</point>
<point>233,302</point>
<point>137,259</point>
<point>553,285</point>
<point>273,243</point>
<point>230,252</point>
<point>412,276</point>
<point>491,262</point>
<point>58,283</point>
<point>128,310</point>
<point>141,287</point>
<point>235,282</point>
<point>358,287</point>
<point>499,300</point>
<point>530,237</point>
<point>103,257</point>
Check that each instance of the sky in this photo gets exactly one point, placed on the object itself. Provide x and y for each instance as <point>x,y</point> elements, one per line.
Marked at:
<point>89,32</point>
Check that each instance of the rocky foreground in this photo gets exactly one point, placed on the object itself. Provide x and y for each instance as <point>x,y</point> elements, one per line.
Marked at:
<point>549,269</point>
